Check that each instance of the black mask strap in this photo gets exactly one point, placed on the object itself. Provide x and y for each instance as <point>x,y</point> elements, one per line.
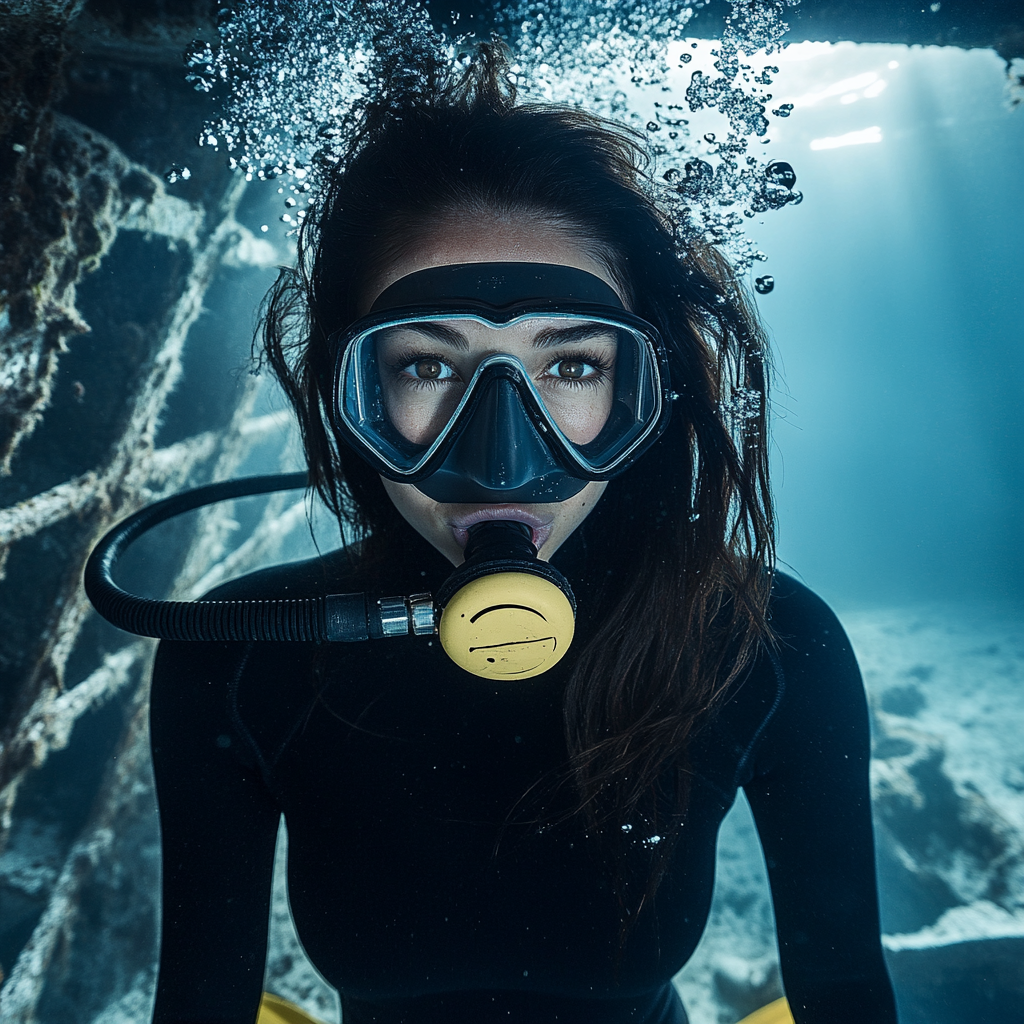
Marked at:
<point>497,286</point>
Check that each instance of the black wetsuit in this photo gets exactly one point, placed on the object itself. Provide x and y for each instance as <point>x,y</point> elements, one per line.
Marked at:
<point>411,892</point>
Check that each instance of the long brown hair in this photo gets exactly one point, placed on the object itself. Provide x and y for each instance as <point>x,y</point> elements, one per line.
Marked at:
<point>684,608</point>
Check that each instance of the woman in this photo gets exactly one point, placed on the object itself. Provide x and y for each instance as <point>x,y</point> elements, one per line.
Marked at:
<point>540,849</point>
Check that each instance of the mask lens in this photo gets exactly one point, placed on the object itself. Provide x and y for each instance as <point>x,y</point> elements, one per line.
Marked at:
<point>422,371</point>
<point>592,382</point>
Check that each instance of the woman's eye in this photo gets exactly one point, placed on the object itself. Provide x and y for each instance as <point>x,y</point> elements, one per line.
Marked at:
<point>429,369</point>
<point>572,369</point>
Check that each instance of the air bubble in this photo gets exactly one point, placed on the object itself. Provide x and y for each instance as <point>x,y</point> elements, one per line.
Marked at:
<point>763,285</point>
<point>784,110</point>
<point>744,404</point>
<point>778,172</point>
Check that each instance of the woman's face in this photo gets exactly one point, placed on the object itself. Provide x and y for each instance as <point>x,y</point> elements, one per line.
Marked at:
<point>476,238</point>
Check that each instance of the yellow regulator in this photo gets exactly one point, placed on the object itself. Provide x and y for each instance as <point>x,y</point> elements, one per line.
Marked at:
<point>508,625</point>
<point>505,614</point>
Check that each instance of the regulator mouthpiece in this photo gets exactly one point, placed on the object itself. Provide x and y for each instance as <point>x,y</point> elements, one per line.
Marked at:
<point>505,614</point>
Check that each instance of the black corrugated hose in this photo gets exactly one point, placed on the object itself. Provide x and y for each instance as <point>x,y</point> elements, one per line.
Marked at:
<point>334,617</point>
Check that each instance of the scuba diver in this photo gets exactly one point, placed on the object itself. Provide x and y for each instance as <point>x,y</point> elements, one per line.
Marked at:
<point>537,409</point>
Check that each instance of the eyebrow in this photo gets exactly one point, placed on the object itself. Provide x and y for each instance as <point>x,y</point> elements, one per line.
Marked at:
<point>569,335</point>
<point>545,339</point>
<point>438,332</point>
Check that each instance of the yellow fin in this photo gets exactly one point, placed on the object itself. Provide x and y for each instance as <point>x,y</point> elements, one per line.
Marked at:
<point>774,1013</point>
<point>275,1010</point>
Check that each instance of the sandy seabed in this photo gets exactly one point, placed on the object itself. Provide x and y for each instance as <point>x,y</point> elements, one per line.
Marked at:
<point>946,688</point>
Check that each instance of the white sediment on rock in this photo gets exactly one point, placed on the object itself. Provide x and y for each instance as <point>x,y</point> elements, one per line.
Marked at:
<point>109,193</point>
<point>981,920</point>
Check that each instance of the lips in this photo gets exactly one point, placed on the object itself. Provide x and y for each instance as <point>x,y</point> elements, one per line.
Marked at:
<point>540,526</point>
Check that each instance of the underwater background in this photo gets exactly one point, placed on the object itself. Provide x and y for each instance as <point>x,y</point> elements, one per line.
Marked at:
<point>890,278</point>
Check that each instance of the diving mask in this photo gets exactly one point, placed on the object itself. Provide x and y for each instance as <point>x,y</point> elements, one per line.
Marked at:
<point>500,382</point>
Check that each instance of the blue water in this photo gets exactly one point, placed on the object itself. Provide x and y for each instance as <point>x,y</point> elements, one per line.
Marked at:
<point>898,317</point>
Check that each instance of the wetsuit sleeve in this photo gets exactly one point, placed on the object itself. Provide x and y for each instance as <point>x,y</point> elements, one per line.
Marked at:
<point>811,801</point>
<point>218,828</point>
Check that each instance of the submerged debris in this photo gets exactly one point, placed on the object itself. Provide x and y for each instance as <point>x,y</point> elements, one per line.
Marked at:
<point>177,173</point>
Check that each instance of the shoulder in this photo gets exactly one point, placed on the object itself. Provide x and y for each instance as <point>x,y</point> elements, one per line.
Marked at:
<point>193,678</point>
<point>247,692</point>
<point>795,675</point>
<point>806,632</point>
<point>795,611</point>
<point>332,573</point>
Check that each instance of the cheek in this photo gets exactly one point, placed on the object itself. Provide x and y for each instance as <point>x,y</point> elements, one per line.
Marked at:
<point>419,415</point>
<point>587,499</point>
<point>582,421</point>
<point>423,514</point>
<point>419,511</point>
